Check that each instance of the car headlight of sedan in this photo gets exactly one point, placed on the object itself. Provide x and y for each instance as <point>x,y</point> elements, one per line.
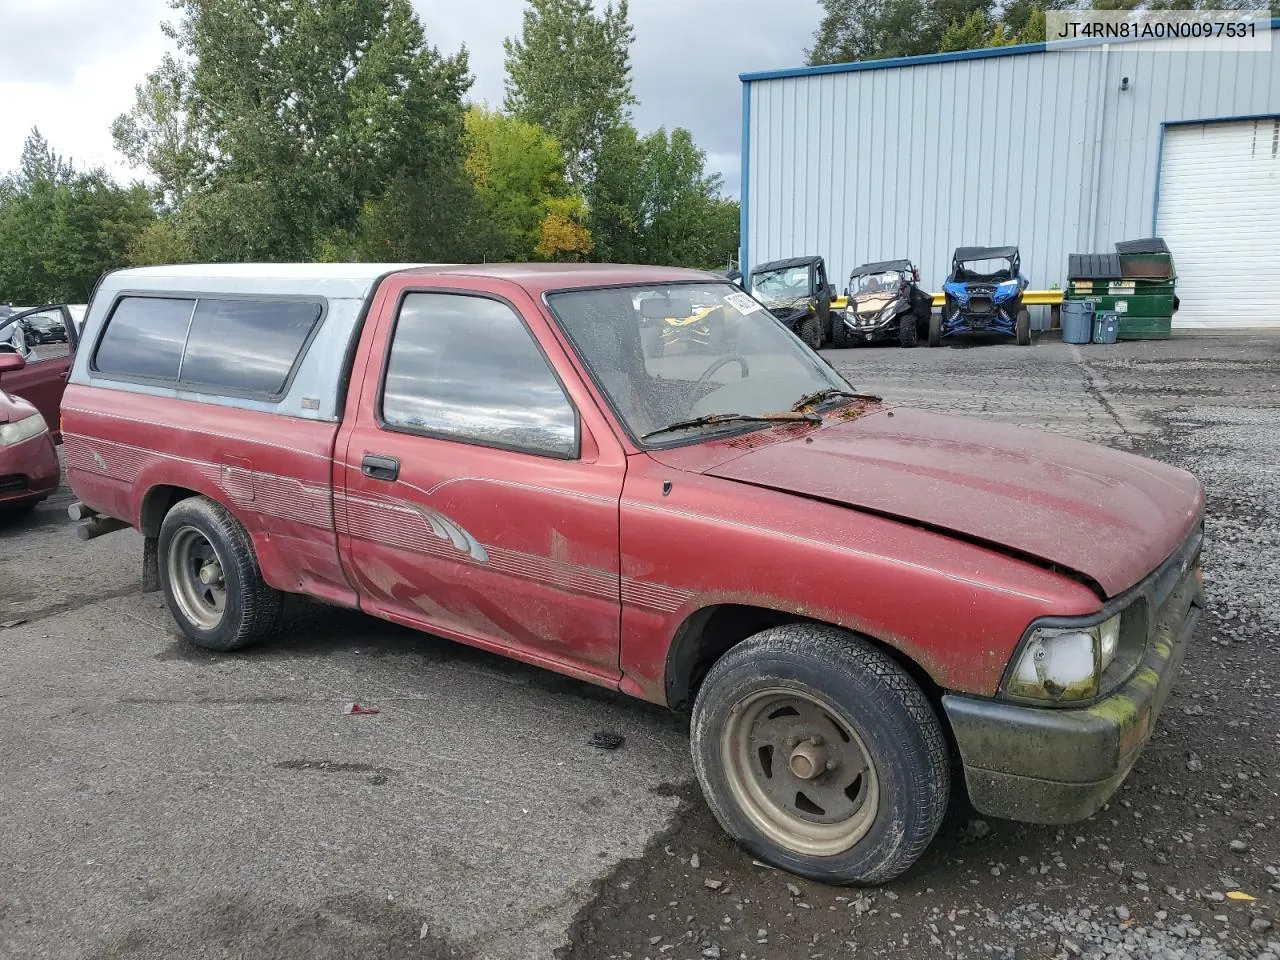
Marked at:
<point>20,430</point>
<point>1062,664</point>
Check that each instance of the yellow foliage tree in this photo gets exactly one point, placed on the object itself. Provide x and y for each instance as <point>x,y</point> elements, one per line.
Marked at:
<point>563,235</point>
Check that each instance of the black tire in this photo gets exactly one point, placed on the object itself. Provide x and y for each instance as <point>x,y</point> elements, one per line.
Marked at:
<point>896,730</point>
<point>810,332</point>
<point>1022,327</point>
<point>907,336</point>
<point>839,332</point>
<point>935,329</point>
<point>250,610</point>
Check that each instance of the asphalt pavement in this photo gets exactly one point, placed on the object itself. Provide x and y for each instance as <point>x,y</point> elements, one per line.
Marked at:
<point>161,801</point>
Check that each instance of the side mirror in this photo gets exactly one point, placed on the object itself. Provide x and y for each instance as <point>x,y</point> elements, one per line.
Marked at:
<point>11,361</point>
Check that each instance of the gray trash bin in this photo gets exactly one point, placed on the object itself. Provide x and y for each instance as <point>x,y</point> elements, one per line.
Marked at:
<point>1077,321</point>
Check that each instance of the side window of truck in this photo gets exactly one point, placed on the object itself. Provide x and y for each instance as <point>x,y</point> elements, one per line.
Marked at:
<point>467,368</point>
<point>215,345</point>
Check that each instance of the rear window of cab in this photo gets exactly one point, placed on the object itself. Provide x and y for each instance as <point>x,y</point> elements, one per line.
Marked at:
<point>231,345</point>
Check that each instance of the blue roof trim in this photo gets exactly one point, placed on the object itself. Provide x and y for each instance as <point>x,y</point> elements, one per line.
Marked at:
<point>1017,50</point>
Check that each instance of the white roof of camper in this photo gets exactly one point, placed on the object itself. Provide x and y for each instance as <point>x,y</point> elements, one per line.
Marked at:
<point>353,280</point>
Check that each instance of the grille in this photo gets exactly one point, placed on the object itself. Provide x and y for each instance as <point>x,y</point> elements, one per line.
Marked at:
<point>12,483</point>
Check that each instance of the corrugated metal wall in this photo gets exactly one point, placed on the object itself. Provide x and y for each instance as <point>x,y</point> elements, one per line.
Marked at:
<point>1039,149</point>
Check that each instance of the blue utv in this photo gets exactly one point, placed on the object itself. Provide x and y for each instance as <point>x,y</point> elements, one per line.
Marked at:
<point>983,295</point>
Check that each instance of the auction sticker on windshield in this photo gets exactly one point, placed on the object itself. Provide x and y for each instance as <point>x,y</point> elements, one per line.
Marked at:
<point>741,302</point>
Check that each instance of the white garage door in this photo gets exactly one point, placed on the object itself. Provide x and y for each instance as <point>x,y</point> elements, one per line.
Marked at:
<point>1220,214</point>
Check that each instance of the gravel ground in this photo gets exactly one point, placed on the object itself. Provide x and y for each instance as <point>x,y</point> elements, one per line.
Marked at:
<point>159,801</point>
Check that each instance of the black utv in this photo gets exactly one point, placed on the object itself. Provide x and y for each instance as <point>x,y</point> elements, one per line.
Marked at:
<point>796,291</point>
<point>884,302</point>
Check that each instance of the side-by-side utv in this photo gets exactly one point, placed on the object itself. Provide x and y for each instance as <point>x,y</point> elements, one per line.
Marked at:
<point>796,291</point>
<point>983,296</point>
<point>884,302</point>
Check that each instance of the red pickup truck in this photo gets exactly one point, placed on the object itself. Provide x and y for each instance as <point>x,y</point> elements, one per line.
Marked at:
<point>845,594</point>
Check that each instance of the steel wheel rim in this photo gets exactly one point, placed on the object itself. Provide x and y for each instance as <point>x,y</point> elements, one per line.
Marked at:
<point>197,577</point>
<point>822,814</point>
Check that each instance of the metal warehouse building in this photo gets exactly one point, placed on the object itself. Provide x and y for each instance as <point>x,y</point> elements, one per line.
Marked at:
<point>1057,150</point>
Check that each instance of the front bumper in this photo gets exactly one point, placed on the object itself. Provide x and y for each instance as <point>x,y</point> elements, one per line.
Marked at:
<point>1047,765</point>
<point>870,327</point>
<point>28,471</point>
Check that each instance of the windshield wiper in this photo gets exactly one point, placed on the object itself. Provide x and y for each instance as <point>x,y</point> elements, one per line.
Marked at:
<point>718,418</point>
<point>830,393</point>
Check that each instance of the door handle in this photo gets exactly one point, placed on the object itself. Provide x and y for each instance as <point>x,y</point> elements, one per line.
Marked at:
<point>380,468</point>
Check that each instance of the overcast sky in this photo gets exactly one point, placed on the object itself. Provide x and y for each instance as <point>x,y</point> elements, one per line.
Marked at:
<point>70,66</point>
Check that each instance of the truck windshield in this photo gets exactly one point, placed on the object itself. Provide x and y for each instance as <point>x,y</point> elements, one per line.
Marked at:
<point>668,354</point>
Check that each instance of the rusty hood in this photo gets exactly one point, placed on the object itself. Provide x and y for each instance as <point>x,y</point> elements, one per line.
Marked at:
<point>1104,514</point>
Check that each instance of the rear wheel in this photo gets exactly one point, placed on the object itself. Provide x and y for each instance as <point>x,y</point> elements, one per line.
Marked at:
<point>1022,327</point>
<point>935,329</point>
<point>907,336</point>
<point>811,332</point>
<point>820,755</point>
<point>210,577</point>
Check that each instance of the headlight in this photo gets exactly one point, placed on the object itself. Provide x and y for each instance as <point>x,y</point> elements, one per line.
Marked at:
<point>1064,663</point>
<point>957,291</point>
<point>11,433</point>
<point>1005,291</point>
<point>888,312</point>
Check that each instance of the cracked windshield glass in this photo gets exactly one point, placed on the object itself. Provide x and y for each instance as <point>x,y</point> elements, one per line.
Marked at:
<point>666,355</point>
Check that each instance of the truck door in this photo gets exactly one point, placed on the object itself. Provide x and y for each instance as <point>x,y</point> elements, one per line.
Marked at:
<point>474,501</point>
<point>44,378</point>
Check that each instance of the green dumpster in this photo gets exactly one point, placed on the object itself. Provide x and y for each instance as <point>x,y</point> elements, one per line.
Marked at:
<point>1136,282</point>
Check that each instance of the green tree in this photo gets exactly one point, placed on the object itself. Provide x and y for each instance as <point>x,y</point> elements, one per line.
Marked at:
<point>161,241</point>
<point>61,229</point>
<point>159,134</point>
<point>517,170</point>
<point>654,202</point>
<point>875,29</point>
<point>569,71</point>
<point>858,30</point>
<point>280,123</point>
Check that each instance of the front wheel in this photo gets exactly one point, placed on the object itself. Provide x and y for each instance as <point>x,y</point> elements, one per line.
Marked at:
<point>811,332</point>
<point>210,577</point>
<point>935,329</point>
<point>907,329</point>
<point>839,333</point>
<point>1022,327</point>
<point>820,755</point>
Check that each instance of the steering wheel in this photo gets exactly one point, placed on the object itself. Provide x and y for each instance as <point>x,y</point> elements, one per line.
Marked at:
<point>737,358</point>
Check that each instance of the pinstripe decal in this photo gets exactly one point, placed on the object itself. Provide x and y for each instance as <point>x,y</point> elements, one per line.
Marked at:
<point>654,596</point>
<point>204,431</point>
<point>267,493</point>
<point>392,521</point>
